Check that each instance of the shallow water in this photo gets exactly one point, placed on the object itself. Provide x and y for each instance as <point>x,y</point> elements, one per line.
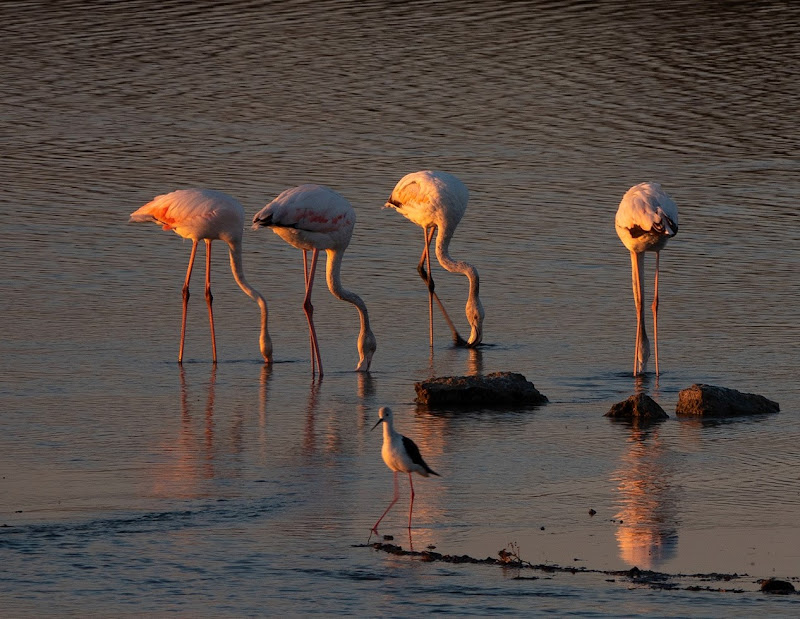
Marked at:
<point>130,484</point>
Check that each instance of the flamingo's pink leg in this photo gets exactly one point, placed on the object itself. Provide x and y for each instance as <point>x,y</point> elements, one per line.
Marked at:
<point>209,300</point>
<point>655,312</point>
<point>186,298</point>
<point>427,277</point>
<point>309,310</point>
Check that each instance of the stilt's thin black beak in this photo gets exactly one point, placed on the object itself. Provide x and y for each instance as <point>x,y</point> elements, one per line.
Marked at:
<point>377,424</point>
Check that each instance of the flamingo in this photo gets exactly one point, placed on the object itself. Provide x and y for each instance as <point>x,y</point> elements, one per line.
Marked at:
<point>646,219</point>
<point>311,218</point>
<point>208,215</point>
<point>438,200</point>
<point>399,453</point>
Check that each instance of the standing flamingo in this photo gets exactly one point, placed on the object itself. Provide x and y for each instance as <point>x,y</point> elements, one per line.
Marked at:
<point>438,200</point>
<point>208,215</point>
<point>311,218</point>
<point>646,219</point>
<point>400,454</point>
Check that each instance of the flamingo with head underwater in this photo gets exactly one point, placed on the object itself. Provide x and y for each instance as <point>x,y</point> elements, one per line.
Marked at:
<point>646,219</point>
<point>204,214</point>
<point>314,218</point>
<point>437,201</point>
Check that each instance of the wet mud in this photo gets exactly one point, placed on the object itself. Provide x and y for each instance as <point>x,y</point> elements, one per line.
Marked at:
<point>509,559</point>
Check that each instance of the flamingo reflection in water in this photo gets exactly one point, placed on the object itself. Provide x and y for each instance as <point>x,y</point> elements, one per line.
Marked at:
<point>647,532</point>
<point>188,461</point>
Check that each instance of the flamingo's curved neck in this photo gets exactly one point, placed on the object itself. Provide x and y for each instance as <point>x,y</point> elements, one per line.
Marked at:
<point>238,274</point>
<point>366,339</point>
<point>456,266</point>
<point>474,309</point>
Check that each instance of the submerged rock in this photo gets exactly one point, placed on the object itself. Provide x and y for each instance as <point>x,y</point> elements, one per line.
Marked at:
<point>496,389</point>
<point>708,400</point>
<point>639,406</point>
<point>773,585</point>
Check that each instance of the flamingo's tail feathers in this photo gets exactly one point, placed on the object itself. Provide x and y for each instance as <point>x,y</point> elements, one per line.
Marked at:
<point>157,210</point>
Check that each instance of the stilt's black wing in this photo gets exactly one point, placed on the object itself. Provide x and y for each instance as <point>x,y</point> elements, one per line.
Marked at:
<point>413,451</point>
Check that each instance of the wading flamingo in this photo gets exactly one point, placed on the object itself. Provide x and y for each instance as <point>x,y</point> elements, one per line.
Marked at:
<point>311,218</point>
<point>208,215</point>
<point>646,219</point>
<point>400,454</point>
<point>437,200</point>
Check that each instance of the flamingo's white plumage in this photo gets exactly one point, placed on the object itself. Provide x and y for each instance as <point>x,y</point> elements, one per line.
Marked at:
<point>314,218</point>
<point>204,214</point>
<point>646,219</point>
<point>438,200</point>
<point>401,455</point>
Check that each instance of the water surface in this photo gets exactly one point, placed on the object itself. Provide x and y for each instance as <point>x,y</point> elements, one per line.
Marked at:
<point>130,484</point>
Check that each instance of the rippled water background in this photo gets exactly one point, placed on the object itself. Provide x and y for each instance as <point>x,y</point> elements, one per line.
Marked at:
<point>132,485</point>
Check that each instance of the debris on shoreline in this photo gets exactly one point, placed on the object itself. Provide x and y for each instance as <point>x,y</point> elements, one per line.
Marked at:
<point>493,390</point>
<point>711,401</point>
<point>655,580</point>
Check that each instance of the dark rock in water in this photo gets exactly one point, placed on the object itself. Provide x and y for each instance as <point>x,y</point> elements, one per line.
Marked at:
<point>773,585</point>
<point>493,390</point>
<point>640,406</point>
<point>708,400</point>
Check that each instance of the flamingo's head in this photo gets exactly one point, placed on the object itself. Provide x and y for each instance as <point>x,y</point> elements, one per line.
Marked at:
<point>475,317</point>
<point>366,349</point>
<point>667,225</point>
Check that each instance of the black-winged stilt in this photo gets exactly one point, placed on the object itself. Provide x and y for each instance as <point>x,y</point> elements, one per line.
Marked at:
<point>399,453</point>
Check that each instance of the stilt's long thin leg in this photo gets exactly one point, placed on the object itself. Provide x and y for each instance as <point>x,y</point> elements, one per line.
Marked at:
<point>655,312</point>
<point>310,335</point>
<point>209,300</point>
<point>411,507</point>
<point>394,500</point>
<point>186,298</point>
<point>427,277</point>
<point>309,310</point>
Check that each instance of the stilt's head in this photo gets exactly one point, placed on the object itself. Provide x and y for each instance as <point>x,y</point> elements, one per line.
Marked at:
<point>385,414</point>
